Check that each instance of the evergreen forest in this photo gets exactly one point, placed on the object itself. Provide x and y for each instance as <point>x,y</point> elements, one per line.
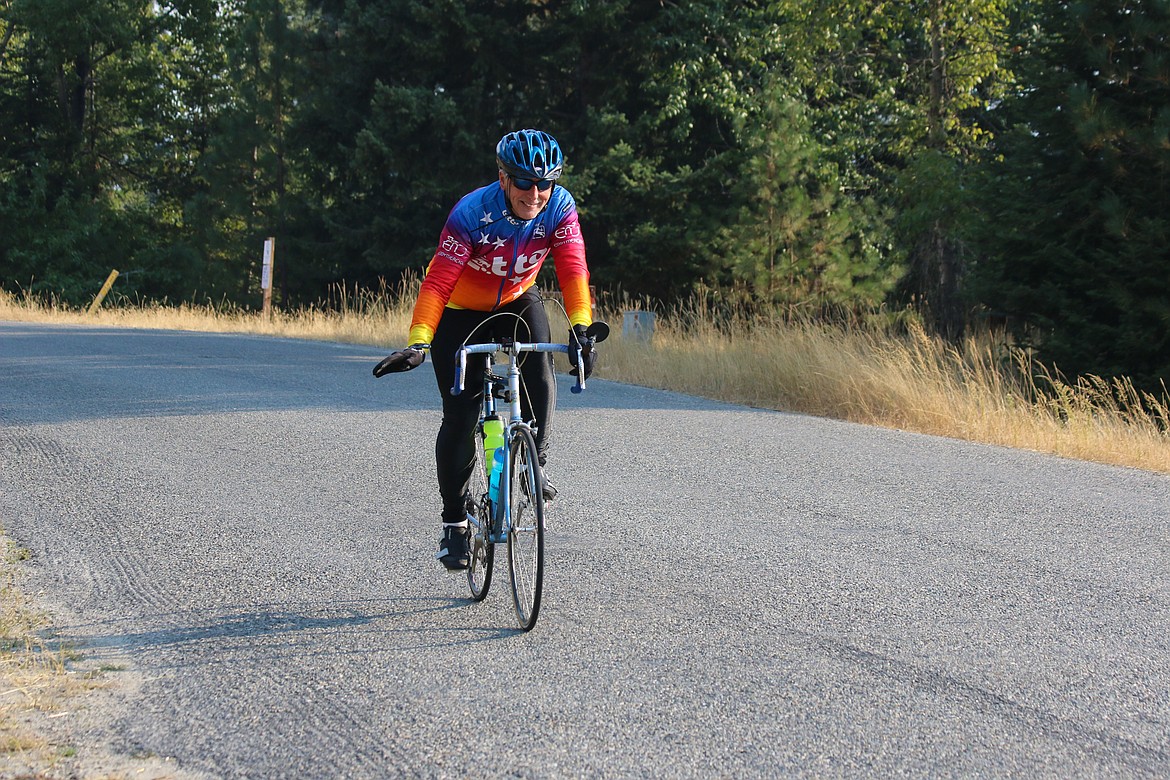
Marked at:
<point>979,161</point>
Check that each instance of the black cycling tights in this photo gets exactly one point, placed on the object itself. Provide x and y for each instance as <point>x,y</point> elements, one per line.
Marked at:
<point>455,446</point>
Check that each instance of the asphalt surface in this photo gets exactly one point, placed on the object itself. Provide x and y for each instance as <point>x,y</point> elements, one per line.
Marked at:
<point>242,529</point>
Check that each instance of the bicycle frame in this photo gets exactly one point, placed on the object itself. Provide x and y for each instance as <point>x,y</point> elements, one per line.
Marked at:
<point>508,387</point>
<point>519,524</point>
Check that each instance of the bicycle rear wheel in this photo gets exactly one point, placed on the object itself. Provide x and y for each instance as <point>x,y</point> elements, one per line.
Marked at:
<point>480,548</point>
<point>526,532</point>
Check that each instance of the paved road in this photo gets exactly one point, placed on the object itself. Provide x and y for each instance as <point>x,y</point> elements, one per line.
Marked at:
<point>245,527</point>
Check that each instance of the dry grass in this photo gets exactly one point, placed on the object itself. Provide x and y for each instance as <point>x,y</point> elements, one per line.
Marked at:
<point>984,391</point>
<point>360,317</point>
<point>34,678</point>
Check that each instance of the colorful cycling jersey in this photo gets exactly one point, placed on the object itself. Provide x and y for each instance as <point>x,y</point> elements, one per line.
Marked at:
<point>487,258</point>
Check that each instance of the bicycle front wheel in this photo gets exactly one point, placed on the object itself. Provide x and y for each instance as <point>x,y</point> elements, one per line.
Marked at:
<point>526,528</point>
<point>479,525</point>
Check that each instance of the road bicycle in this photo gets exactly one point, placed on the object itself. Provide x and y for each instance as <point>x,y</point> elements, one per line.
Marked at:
<point>506,503</point>
<point>505,499</point>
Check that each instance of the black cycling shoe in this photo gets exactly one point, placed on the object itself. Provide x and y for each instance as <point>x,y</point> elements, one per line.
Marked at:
<point>453,547</point>
<point>549,490</point>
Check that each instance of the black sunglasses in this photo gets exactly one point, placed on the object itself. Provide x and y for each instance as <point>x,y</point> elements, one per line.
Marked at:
<point>527,184</point>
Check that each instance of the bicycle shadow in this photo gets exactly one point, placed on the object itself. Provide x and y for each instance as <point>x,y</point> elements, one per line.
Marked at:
<point>404,624</point>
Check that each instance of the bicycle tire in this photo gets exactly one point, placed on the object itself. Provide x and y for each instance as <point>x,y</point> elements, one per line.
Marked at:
<point>481,551</point>
<point>526,531</point>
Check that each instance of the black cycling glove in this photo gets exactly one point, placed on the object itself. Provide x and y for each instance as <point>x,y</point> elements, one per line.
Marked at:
<point>580,343</point>
<point>402,360</point>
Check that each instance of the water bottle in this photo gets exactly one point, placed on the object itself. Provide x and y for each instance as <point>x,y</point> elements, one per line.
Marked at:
<point>497,471</point>
<point>493,439</point>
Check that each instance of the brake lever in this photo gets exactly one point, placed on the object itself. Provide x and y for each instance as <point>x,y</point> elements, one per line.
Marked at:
<point>583,349</point>
<point>460,370</point>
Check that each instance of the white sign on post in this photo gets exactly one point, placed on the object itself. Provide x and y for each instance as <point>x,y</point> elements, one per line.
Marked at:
<point>266,277</point>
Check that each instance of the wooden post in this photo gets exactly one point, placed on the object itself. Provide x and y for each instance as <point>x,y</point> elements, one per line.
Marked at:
<point>266,275</point>
<point>101,296</point>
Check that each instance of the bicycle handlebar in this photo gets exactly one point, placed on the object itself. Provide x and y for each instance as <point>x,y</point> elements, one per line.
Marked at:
<point>515,348</point>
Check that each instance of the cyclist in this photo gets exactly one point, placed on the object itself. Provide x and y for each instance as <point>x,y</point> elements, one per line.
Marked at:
<point>490,251</point>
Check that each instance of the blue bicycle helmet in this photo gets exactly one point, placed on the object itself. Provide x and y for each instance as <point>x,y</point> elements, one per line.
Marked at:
<point>530,154</point>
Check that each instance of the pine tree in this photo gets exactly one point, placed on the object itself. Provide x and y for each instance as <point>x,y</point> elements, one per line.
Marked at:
<point>799,241</point>
<point>1080,208</point>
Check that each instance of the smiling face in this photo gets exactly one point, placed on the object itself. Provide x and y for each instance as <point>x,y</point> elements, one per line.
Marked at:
<point>525,204</point>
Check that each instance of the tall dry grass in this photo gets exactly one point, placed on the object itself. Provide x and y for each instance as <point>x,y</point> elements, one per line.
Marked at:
<point>984,390</point>
<point>374,317</point>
